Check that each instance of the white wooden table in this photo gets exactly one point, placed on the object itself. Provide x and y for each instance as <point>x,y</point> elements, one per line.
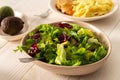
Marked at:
<point>12,69</point>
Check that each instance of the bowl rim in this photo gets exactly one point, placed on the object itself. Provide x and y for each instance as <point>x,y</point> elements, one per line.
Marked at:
<point>89,26</point>
<point>52,6</point>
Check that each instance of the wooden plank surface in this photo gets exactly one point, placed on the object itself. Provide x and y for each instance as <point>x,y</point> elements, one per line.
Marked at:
<point>12,69</point>
<point>10,66</point>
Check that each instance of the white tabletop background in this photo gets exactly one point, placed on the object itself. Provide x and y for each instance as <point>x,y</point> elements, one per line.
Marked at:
<point>12,69</point>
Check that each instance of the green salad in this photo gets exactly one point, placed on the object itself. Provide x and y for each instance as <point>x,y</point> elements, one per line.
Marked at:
<point>67,44</point>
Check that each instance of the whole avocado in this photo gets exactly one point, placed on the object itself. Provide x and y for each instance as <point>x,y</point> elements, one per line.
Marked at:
<point>12,25</point>
<point>5,11</point>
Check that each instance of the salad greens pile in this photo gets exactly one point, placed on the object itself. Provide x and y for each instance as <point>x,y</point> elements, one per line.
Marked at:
<point>66,44</point>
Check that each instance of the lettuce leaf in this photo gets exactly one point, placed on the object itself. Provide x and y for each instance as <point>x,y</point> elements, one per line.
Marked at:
<point>61,54</point>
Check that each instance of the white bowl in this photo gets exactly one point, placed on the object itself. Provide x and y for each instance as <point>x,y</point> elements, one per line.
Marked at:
<point>77,70</point>
<point>21,33</point>
<point>52,5</point>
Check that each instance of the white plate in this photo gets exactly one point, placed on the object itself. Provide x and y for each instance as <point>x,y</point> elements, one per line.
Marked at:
<point>52,5</point>
<point>21,33</point>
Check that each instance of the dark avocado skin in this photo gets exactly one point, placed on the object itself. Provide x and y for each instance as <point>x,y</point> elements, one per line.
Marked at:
<point>11,25</point>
